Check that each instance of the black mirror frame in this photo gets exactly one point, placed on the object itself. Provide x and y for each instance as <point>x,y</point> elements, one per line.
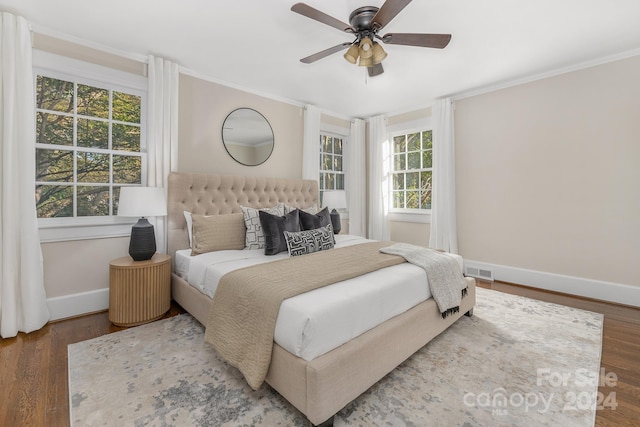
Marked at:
<point>273,140</point>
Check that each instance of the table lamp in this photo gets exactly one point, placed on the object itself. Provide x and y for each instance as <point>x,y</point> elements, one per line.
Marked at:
<point>142,202</point>
<point>335,199</point>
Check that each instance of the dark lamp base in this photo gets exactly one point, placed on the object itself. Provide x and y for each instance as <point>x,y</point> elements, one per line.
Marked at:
<point>142,245</point>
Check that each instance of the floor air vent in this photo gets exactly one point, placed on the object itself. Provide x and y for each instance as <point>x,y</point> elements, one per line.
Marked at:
<point>479,273</point>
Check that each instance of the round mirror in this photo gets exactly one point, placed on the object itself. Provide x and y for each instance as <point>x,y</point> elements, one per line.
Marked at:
<point>247,136</point>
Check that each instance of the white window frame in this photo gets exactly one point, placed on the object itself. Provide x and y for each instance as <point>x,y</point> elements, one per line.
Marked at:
<point>422,216</point>
<point>61,67</point>
<point>342,133</point>
<point>344,142</point>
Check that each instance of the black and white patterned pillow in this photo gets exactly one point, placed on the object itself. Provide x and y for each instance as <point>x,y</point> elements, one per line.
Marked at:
<point>309,241</point>
<point>254,238</point>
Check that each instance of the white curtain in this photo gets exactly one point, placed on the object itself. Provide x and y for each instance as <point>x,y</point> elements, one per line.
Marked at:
<point>379,164</point>
<point>311,143</point>
<point>23,305</point>
<point>355,177</point>
<point>162,139</point>
<point>443,208</point>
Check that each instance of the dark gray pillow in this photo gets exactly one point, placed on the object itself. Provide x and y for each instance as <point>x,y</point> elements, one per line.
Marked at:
<point>310,221</point>
<point>309,241</point>
<point>274,226</point>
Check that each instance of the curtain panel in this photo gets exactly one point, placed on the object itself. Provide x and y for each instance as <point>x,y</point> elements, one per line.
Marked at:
<point>311,143</point>
<point>379,152</point>
<point>23,305</point>
<point>443,233</point>
<point>163,81</point>
<point>355,177</point>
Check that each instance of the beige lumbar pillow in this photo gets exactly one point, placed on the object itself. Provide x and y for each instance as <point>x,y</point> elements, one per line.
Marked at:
<point>217,232</point>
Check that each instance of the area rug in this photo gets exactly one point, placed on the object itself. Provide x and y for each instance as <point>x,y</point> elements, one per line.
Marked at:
<point>516,361</point>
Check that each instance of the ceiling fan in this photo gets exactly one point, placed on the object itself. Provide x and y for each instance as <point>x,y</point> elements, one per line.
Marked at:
<point>364,24</point>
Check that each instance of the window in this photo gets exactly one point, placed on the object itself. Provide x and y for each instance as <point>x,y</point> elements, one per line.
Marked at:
<point>411,171</point>
<point>331,162</point>
<point>89,143</point>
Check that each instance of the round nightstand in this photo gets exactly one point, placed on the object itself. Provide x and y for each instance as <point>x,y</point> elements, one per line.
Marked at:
<point>139,291</point>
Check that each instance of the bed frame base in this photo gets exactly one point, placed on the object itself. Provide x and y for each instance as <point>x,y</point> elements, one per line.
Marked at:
<point>321,387</point>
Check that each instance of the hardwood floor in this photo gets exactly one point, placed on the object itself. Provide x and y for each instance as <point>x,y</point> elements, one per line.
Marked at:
<point>34,387</point>
<point>34,383</point>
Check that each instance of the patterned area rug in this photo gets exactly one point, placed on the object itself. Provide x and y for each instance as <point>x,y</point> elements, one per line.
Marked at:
<point>517,361</point>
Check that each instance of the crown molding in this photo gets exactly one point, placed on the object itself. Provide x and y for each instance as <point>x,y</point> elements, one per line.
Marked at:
<point>544,75</point>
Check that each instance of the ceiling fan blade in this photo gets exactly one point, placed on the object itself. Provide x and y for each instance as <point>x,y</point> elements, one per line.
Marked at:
<point>438,41</point>
<point>375,70</point>
<point>387,12</point>
<point>324,53</point>
<point>319,16</point>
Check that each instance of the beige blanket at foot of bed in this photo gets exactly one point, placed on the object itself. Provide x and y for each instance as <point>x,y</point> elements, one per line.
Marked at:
<point>245,306</point>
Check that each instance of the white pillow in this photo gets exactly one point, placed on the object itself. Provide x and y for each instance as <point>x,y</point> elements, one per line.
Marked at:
<point>187,217</point>
<point>255,237</point>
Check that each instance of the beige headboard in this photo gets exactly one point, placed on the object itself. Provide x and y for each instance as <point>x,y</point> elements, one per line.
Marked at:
<point>222,194</point>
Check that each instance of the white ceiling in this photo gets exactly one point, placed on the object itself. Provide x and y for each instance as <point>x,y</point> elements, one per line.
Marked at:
<point>256,44</point>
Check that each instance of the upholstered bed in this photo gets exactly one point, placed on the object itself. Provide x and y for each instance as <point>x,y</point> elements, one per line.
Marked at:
<point>320,387</point>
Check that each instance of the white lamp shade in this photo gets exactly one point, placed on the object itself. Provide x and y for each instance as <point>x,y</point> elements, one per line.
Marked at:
<point>335,199</point>
<point>142,201</point>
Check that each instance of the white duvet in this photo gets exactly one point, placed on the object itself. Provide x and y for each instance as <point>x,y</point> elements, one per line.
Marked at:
<point>316,322</point>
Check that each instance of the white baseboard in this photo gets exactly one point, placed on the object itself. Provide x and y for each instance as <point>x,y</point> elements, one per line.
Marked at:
<point>77,304</point>
<point>590,288</point>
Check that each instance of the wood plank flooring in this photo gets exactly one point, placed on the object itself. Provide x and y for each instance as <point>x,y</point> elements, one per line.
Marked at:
<point>34,383</point>
<point>34,387</point>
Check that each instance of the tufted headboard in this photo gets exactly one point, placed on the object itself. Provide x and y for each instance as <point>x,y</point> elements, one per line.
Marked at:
<point>222,194</point>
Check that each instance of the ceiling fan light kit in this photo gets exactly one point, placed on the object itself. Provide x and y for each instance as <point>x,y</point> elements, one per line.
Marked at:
<point>378,53</point>
<point>352,53</point>
<point>365,62</point>
<point>364,23</point>
<point>366,46</point>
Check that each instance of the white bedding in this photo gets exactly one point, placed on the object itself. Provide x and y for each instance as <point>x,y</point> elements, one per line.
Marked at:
<point>316,322</point>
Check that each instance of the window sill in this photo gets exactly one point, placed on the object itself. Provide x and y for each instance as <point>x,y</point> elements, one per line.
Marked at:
<point>61,231</point>
<point>410,216</point>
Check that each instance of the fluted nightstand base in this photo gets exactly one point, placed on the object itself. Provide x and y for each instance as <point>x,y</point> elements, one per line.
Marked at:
<point>139,291</point>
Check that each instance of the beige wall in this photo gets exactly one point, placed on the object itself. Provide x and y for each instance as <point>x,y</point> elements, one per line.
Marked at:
<point>203,107</point>
<point>87,54</point>
<point>408,117</point>
<point>80,265</point>
<point>548,174</point>
<point>410,232</point>
<point>335,121</point>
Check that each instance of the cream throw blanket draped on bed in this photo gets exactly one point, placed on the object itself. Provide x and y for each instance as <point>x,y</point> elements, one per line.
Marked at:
<point>446,282</point>
<point>245,306</point>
